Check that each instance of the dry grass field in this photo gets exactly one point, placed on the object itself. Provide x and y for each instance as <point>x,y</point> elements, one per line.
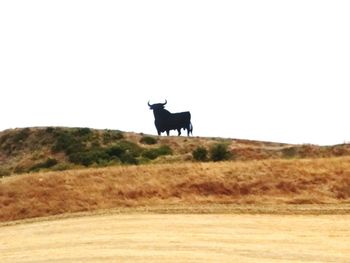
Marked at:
<point>140,237</point>
<point>265,182</point>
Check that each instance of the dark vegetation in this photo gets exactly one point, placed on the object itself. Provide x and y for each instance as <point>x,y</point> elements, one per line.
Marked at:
<point>220,152</point>
<point>50,162</point>
<point>35,149</point>
<point>217,152</point>
<point>83,146</point>
<point>148,140</point>
<point>200,154</point>
<point>155,152</point>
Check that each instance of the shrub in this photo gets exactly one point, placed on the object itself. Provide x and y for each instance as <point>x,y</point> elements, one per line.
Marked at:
<point>89,157</point>
<point>4,138</point>
<point>21,135</point>
<point>289,152</point>
<point>112,136</point>
<point>219,152</point>
<point>128,158</point>
<point>15,141</point>
<point>154,153</point>
<point>148,140</point>
<point>165,150</point>
<point>150,154</point>
<point>67,143</point>
<point>82,132</point>
<point>4,172</point>
<point>5,143</point>
<point>115,151</point>
<point>200,154</point>
<point>130,147</point>
<point>49,130</point>
<point>125,151</point>
<point>95,143</point>
<point>62,167</point>
<point>50,162</point>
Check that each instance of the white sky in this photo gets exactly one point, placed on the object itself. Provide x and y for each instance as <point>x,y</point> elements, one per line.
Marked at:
<point>265,70</point>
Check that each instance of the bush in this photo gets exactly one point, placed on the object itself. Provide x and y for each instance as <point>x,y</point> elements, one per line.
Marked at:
<point>5,143</point>
<point>115,151</point>
<point>128,158</point>
<point>290,152</point>
<point>21,135</point>
<point>150,154</point>
<point>62,167</point>
<point>219,152</point>
<point>67,142</point>
<point>50,130</point>
<point>4,172</point>
<point>89,157</point>
<point>112,136</point>
<point>82,132</point>
<point>47,164</point>
<point>130,147</point>
<point>200,154</point>
<point>148,140</point>
<point>4,138</point>
<point>14,141</point>
<point>154,153</point>
<point>125,151</point>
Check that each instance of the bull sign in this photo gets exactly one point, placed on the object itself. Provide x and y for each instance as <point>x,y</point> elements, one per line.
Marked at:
<point>166,121</point>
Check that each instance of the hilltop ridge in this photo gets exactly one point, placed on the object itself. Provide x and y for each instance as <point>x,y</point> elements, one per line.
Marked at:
<point>60,148</point>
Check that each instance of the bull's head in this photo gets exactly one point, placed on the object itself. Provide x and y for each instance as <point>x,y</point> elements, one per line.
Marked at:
<point>157,105</point>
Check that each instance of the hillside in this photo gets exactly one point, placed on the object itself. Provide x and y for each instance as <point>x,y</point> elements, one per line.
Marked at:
<point>52,171</point>
<point>57,149</point>
<point>267,182</point>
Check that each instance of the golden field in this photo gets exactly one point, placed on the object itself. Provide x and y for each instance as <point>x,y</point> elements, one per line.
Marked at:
<point>188,186</point>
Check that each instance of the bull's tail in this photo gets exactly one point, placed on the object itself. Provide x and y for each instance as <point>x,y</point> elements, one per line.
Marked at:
<point>190,130</point>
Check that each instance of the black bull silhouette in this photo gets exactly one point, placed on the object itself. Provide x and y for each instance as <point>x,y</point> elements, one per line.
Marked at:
<point>166,121</point>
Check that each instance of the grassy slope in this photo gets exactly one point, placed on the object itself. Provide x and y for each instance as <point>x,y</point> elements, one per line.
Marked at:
<point>259,173</point>
<point>45,149</point>
<point>277,182</point>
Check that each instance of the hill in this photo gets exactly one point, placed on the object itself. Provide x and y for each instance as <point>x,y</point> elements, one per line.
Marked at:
<point>57,148</point>
<point>52,171</point>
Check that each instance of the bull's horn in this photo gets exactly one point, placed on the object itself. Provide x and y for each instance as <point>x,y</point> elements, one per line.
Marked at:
<point>149,104</point>
<point>164,102</point>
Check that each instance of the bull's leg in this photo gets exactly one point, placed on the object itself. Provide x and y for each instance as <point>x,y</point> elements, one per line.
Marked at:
<point>167,132</point>
<point>158,132</point>
<point>179,132</point>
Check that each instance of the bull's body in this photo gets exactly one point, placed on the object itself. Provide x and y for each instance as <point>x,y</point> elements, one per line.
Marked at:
<point>166,121</point>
